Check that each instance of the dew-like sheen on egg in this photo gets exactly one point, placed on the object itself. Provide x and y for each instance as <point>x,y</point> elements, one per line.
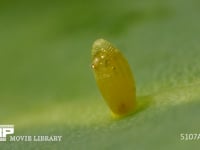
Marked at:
<point>114,78</point>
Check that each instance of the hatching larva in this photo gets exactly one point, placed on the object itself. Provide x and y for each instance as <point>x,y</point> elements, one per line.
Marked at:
<point>114,78</point>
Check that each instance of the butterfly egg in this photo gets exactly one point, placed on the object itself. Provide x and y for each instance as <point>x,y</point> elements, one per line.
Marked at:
<point>114,78</point>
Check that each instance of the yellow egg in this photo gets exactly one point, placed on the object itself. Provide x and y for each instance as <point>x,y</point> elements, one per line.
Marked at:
<point>114,78</point>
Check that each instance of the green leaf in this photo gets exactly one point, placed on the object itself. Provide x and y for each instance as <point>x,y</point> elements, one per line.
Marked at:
<point>47,86</point>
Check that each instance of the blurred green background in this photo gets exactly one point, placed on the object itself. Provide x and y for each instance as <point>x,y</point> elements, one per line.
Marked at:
<point>47,86</point>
